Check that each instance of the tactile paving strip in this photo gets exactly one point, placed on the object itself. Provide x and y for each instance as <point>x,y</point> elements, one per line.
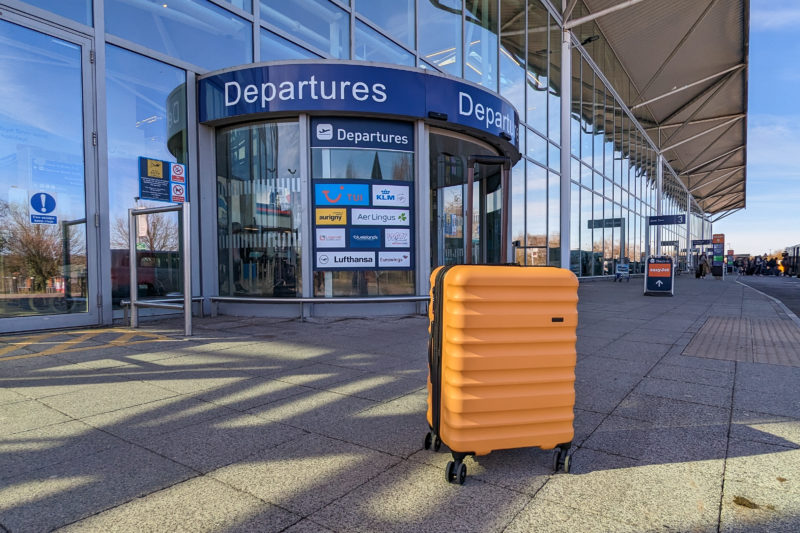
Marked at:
<point>748,340</point>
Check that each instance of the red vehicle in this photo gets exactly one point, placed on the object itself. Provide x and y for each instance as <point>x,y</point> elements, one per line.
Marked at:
<point>158,274</point>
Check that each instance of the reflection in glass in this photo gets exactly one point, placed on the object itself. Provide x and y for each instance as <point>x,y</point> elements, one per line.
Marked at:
<point>275,48</point>
<point>440,34</point>
<point>372,46</point>
<point>325,26</point>
<point>537,66</point>
<point>512,53</point>
<point>553,219</point>
<point>43,264</point>
<point>480,43</point>
<point>196,31</point>
<point>448,171</point>
<point>395,17</point>
<point>146,116</point>
<point>259,210</point>
<point>536,210</point>
<point>77,10</point>
<point>367,164</point>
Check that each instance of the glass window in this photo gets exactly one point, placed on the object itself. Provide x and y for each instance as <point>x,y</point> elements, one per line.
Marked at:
<point>197,31</point>
<point>480,43</point>
<point>517,215</point>
<point>395,17</point>
<point>537,66</point>
<point>536,206</point>
<point>77,10</point>
<point>587,258</point>
<point>372,46</point>
<point>276,48</point>
<point>259,213</point>
<point>324,26</point>
<point>554,92</point>
<point>512,53</point>
<point>537,147</point>
<point>139,93</point>
<point>43,257</point>
<point>440,34</point>
<point>246,5</point>
<point>553,218</point>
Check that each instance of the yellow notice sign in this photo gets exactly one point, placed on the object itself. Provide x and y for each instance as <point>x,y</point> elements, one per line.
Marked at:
<point>331,217</point>
<point>155,168</point>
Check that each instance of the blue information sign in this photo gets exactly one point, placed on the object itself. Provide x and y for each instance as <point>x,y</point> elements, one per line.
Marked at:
<point>162,181</point>
<point>342,132</point>
<point>662,220</point>
<point>343,86</point>
<point>42,206</point>
<point>698,242</point>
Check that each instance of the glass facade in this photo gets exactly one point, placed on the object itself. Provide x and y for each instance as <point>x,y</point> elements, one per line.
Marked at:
<point>153,50</point>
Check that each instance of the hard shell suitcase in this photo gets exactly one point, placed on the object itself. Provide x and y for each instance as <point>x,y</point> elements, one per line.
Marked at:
<point>501,361</point>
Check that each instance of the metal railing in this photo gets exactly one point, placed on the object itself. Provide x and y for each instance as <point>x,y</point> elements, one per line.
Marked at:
<point>133,231</point>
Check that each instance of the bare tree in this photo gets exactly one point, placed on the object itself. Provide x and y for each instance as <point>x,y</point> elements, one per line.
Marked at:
<point>160,232</point>
<point>35,250</point>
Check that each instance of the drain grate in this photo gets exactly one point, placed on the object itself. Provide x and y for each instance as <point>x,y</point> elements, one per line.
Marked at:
<point>748,340</point>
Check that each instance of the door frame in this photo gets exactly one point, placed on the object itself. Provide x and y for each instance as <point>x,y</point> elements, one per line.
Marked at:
<point>91,185</point>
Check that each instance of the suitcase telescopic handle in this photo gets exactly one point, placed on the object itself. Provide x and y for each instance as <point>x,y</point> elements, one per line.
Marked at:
<point>488,160</point>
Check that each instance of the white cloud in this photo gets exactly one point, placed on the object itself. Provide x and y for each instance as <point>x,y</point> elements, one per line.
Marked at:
<point>771,15</point>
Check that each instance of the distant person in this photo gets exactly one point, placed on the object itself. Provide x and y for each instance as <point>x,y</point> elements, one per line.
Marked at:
<point>703,266</point>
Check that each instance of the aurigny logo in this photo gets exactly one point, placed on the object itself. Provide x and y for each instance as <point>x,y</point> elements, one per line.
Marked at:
<point>324,132</point>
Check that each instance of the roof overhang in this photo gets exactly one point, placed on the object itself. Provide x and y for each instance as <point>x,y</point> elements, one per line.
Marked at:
<point>687,61</point>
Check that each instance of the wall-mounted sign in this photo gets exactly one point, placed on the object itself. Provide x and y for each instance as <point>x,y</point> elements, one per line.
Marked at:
<point>606,223</point>
<point>42,208</point>
<point>162,181</point>
<point>344,132</point>
<point>669,243</point>
<point>698,242</point>
<point>658,276</point>
<point>663,220</point>
<point>350,87</point>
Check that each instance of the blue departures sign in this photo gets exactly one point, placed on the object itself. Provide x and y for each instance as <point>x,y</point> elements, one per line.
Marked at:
<point>349,87</point>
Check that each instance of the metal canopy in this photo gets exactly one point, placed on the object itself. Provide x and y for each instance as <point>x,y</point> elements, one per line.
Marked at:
<point>687,65</point>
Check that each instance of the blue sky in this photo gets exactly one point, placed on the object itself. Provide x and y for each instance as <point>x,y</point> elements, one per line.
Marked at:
<point>771,221</point>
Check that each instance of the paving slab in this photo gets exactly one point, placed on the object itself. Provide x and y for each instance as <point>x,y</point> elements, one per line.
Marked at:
<point>220,441</point>
<point>412,497</point>
<point>311,408</point>
<point>305,474</point>
<point>103,397</point>
<point>198,504</point>
<point>73,490</point>
<point>668,412</point>
<point>782,403</point>
<point>747,508</point>
<point>689,392</point>
<point>761,427</point>
<point>765,465</point>
<point>30,451</point>
<point>393,427</point>
<point>680,496</point>
<point>254,392</point>
<point>544,516</point>
<point>30,414</point>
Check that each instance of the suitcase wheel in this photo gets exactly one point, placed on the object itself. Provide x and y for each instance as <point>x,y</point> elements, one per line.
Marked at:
<point>455,472</point>
<point>432,442</point>
<point>562,458</point>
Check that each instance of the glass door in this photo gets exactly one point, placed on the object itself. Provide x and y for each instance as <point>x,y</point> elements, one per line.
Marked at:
<point>47,249</point>
<point>449,154</point>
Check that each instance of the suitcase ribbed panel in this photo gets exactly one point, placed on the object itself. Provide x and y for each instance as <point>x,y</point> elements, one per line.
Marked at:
<point>508,357</point>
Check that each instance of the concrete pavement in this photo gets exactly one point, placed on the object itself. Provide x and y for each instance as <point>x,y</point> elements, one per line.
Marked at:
<point>281,425</point>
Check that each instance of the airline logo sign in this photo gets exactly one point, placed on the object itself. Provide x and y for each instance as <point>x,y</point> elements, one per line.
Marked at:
<point>330,238</point>
<point>345,260</point>
<point>341,194</point>
<point>659,276</point>
<point>381,217</point>
<point>397,238</point>
<point>331,217</point>
<point>390,195</point>
<point>363,233</point>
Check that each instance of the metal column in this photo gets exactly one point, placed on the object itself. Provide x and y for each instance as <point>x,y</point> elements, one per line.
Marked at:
<point>566,105</point>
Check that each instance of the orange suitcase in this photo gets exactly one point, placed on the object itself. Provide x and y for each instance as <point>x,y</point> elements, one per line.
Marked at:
<point>501,361</point>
